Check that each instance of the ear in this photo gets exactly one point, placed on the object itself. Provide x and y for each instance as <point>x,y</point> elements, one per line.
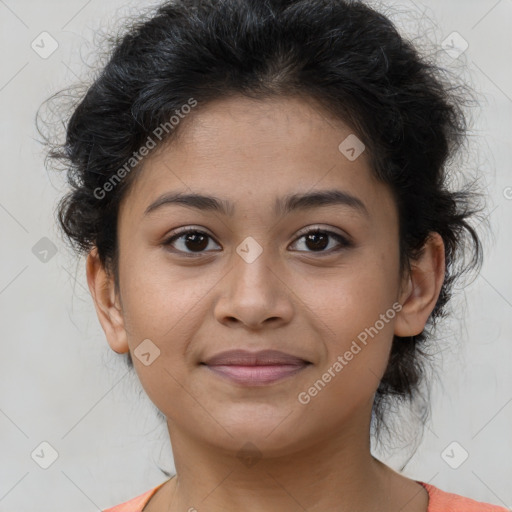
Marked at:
<point>421,287</point>
<point>108,307</point>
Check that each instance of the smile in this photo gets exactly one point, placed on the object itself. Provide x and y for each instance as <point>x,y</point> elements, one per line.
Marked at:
<point>257,375</point>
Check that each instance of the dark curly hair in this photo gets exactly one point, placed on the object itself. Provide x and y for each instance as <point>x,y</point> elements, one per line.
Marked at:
<point>346,57</point>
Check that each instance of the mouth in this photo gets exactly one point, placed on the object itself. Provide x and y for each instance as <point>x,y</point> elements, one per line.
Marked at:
<point>255,368</point>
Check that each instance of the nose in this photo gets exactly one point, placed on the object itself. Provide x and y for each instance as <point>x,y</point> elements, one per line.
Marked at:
<point>254,295</point>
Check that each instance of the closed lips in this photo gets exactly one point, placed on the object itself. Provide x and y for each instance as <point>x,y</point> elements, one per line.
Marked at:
<point>261,358</point>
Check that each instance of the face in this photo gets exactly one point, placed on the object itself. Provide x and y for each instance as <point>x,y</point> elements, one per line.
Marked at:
<point>255,277</point>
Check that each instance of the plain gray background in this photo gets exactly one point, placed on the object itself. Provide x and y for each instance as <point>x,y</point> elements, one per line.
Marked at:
<point>60,382</point>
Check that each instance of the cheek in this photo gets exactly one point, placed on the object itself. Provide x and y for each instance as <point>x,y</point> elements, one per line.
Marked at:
<point>354,308</point>
<point>152,295</point>
<point>164,306</point>
<point>355,295</point>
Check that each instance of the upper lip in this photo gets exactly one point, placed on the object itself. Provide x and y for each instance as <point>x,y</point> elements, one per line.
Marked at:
<point>246,358</point>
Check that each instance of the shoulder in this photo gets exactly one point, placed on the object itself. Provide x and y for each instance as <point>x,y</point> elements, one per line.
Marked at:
<point>441,501</point>
<point>135,504</point>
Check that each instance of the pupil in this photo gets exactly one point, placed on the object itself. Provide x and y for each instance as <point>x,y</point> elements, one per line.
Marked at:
<point>312,241</point>
<point>192,238</point>
<point>312,236</point>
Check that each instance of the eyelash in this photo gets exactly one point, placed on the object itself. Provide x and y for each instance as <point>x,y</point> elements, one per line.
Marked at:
<point>344,242</point>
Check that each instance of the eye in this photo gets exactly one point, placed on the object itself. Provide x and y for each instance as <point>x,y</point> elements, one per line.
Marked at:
<point>196,241</point>
<point>192,239</point>
<point>318,239</point>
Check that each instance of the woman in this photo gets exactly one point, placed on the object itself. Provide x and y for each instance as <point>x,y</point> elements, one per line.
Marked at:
<point>260,189</point>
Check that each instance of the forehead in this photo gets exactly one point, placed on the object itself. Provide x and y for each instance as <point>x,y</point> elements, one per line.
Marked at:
<point>253,151</point>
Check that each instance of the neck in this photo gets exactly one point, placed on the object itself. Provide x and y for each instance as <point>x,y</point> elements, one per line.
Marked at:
<point>336,472</point>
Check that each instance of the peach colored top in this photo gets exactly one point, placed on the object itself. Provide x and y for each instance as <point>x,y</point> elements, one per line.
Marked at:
<point>439,501</point>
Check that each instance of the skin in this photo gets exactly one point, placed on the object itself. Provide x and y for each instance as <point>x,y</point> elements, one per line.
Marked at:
<point>309,302</point>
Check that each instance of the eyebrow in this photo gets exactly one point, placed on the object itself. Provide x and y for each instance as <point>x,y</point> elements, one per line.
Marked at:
<point>282,206</point>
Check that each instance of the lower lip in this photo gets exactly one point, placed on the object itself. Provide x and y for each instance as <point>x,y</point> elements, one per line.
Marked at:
<point>256,375</point>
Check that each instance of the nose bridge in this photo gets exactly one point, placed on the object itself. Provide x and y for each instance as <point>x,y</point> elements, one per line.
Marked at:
<point>252,273</point>
<point>254,292</point>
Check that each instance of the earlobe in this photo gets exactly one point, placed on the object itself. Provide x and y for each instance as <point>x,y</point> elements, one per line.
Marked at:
<point>421,290</point>
<point>106,303</point>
